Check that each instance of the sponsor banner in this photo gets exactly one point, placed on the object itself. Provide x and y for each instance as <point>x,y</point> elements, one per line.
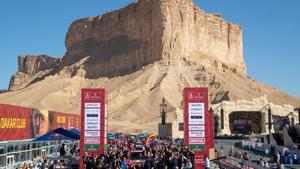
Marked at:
<point>91,147</point>
<point>92,133</point>
<point>200,160</point>
<point>92,119</point>
<point>198,124</point>
<point>197,140</point>
<point>198,134</point>
<point>92,140</point>
<point>63,120</point>
<point>92,105</point>
<point>195,128</point>
<point>15,123</point>
<point>93,124</point>
<point>197,147</point>
<point>28,123</point>
<point>196,113</point>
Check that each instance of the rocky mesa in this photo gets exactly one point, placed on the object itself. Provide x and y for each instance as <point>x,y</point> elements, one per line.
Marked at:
<point>173,31</point>
<point>141,53</point>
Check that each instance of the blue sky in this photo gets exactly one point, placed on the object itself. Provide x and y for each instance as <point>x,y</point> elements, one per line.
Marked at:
<point>271,33</point>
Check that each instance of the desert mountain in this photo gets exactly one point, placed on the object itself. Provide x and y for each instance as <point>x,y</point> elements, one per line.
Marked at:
<point>141,53</point>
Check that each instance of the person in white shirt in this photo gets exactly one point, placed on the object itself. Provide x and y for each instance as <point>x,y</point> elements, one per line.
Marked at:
<point>207,163</point>
<point>295,158</point>
<point>266,164</point>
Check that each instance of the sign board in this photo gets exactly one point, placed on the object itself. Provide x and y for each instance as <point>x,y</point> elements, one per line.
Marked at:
<point>93,122</point>
<point>28,123</point>
<point>198,124</point>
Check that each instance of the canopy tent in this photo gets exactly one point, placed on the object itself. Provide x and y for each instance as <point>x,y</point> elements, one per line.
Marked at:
<point>58,134</point>
<point>110,136</point>
<point>75,131</point>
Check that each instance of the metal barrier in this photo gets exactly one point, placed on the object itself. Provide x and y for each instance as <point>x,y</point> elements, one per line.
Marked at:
<point>13,154</point>
<point>234,163</point>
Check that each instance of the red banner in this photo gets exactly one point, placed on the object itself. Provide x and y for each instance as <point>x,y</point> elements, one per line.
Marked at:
<point>28,123</point>
<point>15,123</point>
<point>93,138</point>
<point>198,124</point>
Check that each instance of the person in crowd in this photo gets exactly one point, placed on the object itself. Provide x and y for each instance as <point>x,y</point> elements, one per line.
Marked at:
<point>275,158</point>
<point>149,164</point>
<point>222,149</point>
<point>188,164</point>
<point>62,150</point>
<point>295,158</point>
<point>31,164</point>
<point>261,163</point>
<point>24,166</point>
<point>285,157</point>
<point>207,162</point>
<point>266,164</point>
<point>73,150</point>
<point>278,158</point>
<point>51,165</point>
<point>172,161</point>
<point>124,165</point>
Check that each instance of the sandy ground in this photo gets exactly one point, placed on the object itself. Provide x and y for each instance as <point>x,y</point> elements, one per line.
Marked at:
<point>134,99</point>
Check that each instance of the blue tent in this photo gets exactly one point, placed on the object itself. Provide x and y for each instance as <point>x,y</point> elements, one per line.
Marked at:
<point>75,131</point>
<point>58,134</point>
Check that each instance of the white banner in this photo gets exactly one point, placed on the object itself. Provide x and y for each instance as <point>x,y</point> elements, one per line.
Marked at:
<point>92,105</point>
<point>92,119</point>
<point>197,134</point>
<point>91,133</point>
<point>195,128</point>
<point>196,113</point>
<point>92,140</point>
<point>197,141</point>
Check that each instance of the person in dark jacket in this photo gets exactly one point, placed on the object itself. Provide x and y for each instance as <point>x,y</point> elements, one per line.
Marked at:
<point>62,150</point>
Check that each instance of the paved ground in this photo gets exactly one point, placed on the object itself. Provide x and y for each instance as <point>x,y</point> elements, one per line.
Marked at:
<point>227,146</point>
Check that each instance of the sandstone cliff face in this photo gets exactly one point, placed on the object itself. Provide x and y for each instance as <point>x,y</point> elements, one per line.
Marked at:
<point>191,35</point>
<point>118,42</point>
<point>172,31</point>
<point>29,66</point>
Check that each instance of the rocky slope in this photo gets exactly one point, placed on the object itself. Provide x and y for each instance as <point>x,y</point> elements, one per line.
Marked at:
<point>3,91</point>
<point>32,68</point>
<point>141,53</point>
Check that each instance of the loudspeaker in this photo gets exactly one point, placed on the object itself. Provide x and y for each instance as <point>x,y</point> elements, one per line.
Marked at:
<point>222,118</point>
<point>293,121</point>
<point>270,118</point>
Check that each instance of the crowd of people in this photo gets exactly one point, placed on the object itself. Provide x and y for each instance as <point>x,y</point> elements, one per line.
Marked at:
<point>285,158</point>
<point>162,154</point>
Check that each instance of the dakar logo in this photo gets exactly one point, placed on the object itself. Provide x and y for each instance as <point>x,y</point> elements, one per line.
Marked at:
<point>92,95</point>
<point>12,123</point>
<point>196,95</point>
